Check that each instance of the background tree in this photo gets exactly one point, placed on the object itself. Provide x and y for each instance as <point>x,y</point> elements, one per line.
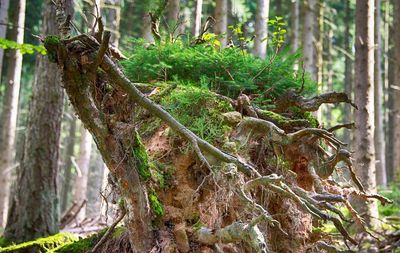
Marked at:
<point>378,101</point>
<point>10,109</point>
<point>3,28</point>
<point>261,28</point>
<point>309,25</point>
<point>364,99</point>
<point>36,186</point>
<point>221,18</point>
<point>197,18</point>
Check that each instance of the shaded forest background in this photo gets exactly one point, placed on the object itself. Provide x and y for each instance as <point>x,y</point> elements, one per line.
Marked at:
<point>316,37</point>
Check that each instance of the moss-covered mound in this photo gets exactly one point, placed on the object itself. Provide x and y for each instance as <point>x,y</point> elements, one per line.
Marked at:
<point>227,71</point>
<point>85,244</point>
<point>41,245</point>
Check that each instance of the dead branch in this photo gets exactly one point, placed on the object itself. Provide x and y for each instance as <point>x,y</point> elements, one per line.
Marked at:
<point>235,232</point>
<point>292,98</point>
<point>105,237</point>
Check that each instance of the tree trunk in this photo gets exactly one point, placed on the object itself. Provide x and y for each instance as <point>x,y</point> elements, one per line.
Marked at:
<point>309,50</point>
<point>364,99</point>
<point>395,93</point>
<point>36,188</point>
<point>329,79</point>
<point>69,154</point>
<point>319,36</point>
<point>3,29</point>
<point>295,9</point>
<point>221,18</point>
<point>197,18</point>
<point>95,182</point>
<point>10,110</point>
<point>348,72</point>
<point>112,10</point>
<point>80,187</point>
<point>261,28</point>
<point>378,90</point>
<point>172,9</point>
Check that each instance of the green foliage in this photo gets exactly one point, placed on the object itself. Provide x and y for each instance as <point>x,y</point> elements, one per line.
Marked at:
<point>86,244</point>
<point>45,244</point>
<point>199,110</point>
<point>393,210</point>
<point>23,48</point>
<point>141,158</point>
<point>227,71</point>
<point>278,26</point>
<point>155,204</point>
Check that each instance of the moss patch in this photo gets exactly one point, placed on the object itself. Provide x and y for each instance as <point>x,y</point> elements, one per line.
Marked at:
<point>155,204</point>
<point>200,110</point>
<point>45,244</point>
<point>51,43</point>
<point>139,153</point>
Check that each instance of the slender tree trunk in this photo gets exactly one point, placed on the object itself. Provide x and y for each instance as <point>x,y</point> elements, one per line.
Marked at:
<point>10,111</point>
<point>172,8</point>
<point>221,17</point>
<point>364,98</point>
<point>294,43</point>
<point>387,69</point>
<point>309,49</point>
<point>3,28</point>
<point>36,188</point>
<point>261,29</point>
<point>96,175</point>
<point>329,79</point>
<point>348,71</point>
<point>278,4</point>
<point>396,94</point>
<point>80,187</point>
<point>319,32</point>
<point>378,90</point>
<point>197,18</point>
<point>112,9</point>
<point>69,153</point>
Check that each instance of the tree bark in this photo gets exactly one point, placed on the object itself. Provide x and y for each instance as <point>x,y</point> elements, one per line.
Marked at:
<point>95,182</point>
<point>10,110</point>
<point>172,8</point>
<point>69,154</point>
<point>36,188</point>
<point>348,72</point>
<point>3,28</point>
<point>197,18</point>
<point>112,9</point>
<point>364,98</point>
<point>378,102</point>
<point>221,18</point>
<point>309,49</point>
<point>329,79</point>
<point>394,89</point>
<point>261,28</point>
<point>81,180</point>
<point>294,42</point>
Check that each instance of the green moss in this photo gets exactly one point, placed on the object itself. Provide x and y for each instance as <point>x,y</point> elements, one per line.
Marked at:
<point>282,121</point>
<point>155,204</point>
<point>141,157</point>
<point>200,110</point>
<point>45,244</point>
<point>51,43</point>
<point>86,244</point>
<point>52,40</point>
<point>4,242</point>
<point>299,114</point>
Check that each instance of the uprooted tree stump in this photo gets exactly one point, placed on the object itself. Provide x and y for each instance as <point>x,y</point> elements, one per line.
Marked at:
<point>256,180</point>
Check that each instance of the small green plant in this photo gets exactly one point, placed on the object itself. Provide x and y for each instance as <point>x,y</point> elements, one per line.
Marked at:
<point>278,31</point>
<point>155,204</point>
<point>23,48</point>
